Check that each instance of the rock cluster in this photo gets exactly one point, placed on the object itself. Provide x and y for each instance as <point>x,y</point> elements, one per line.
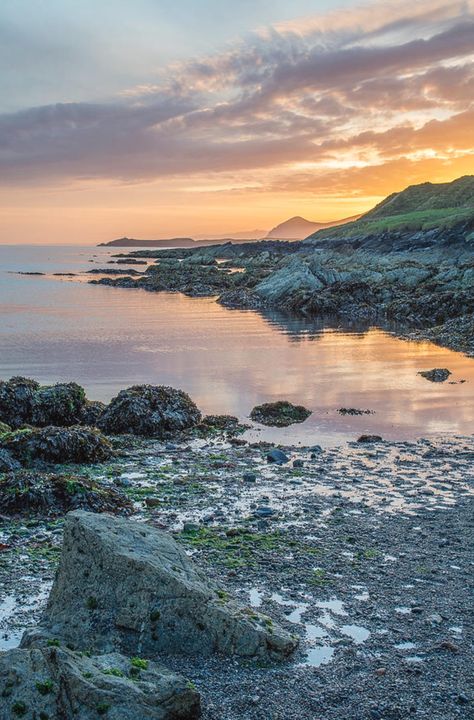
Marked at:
<point>124,595</point>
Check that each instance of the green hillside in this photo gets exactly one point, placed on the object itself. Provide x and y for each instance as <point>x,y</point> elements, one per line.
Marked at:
<point>419,207</point>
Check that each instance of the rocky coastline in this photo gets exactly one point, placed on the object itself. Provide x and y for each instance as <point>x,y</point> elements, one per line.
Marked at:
<point>421,282</point>
<point>203,575</point>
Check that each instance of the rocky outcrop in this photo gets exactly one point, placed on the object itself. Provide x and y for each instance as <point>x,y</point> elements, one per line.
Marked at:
<point>29,493</point>
<point>24,401</point>
<point>123,586</point>
<point>293,277</point>
<point>279,414</point>
<point>57,445</point>
<point>49,683</point>
<point>149,410</point>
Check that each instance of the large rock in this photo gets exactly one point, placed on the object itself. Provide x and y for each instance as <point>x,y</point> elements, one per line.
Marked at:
<point>61,404</point>
<point>29,493</point>
<point>149,410</point>
<point>52,683</point>
<point>24,401</point>
<point>123,586</point>
<point>57,445</point>
<point>16,400</point>
<point>294,277</point>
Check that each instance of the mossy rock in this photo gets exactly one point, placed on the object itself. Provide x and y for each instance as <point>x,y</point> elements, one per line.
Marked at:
<point>279,414</point>
<point>31,493</point>
<point>57,445</point>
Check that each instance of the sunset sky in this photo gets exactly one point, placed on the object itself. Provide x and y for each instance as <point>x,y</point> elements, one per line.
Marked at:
<point>157,118</point>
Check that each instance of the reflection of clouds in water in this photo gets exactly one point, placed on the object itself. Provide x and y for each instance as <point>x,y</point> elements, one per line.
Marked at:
<point>228,360</point>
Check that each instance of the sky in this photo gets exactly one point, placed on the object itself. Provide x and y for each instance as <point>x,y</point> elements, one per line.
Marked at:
<point>163,118</point>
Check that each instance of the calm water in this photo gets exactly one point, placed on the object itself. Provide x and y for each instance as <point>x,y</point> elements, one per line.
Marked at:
<point>107,339</point>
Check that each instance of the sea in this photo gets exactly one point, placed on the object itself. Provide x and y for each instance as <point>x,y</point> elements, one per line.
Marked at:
<point>58,328</point>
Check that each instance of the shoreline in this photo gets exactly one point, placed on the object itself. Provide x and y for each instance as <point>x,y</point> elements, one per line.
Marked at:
<point>363,551</point>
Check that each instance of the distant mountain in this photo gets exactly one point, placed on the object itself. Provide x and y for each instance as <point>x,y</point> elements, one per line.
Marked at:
<point>170,242</point>
<point>297,228</point>
<point>419,216</point>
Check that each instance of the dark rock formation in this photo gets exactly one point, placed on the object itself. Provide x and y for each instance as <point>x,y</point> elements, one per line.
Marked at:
<point>16,400</point>
<point>60,405</point>
<point>30,493</point>
<point>57,445</point>
<point>279,414</point>
<point>149,410</point>
<point>436,375</point>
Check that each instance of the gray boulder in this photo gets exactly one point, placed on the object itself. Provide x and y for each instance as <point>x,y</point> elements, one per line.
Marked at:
<point>294,276</point>
<point>149,410</point>
<point>53,682</point>
<point>124,586</point>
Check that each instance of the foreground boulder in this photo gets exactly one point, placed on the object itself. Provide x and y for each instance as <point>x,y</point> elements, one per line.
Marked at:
<point>279,414</point>
<point>30,493</point>
<point>124,586</point>
<point>49,683</point>
<point>57,445</point>
<point>149,410</point>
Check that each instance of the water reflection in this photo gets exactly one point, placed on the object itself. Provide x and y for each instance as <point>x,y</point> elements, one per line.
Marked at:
<point>228,360</point>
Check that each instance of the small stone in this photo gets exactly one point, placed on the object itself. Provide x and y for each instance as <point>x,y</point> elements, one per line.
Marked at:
<point>298,463</point>
<point>369,439</point>
<point>264,511</point>
<point>152,502</point>
<point>277,456</point>
<point>249,477</point>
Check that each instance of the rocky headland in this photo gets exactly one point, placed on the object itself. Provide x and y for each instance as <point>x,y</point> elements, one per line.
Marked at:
<point>177,570</point>
<point>407,264</point>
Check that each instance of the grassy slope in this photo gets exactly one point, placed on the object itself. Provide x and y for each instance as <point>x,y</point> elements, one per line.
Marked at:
<point>419,207</point>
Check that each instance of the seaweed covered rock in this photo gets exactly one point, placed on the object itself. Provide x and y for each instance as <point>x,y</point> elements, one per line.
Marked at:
<point>7,463</point>
<point>29,493</point>
<point>149,410</point>
<point>279,414</point>
<point>218,424</point>
<point>92,412</point>
<point>57,445</point>
<point>54,682</point>
<point>127,587</point>
<point>16,400</point>
<point>436,375</point>
<point>60,404</point>
<point>24,401</point>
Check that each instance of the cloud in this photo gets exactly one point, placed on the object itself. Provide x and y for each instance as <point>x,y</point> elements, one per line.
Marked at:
<point>296,93</point>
